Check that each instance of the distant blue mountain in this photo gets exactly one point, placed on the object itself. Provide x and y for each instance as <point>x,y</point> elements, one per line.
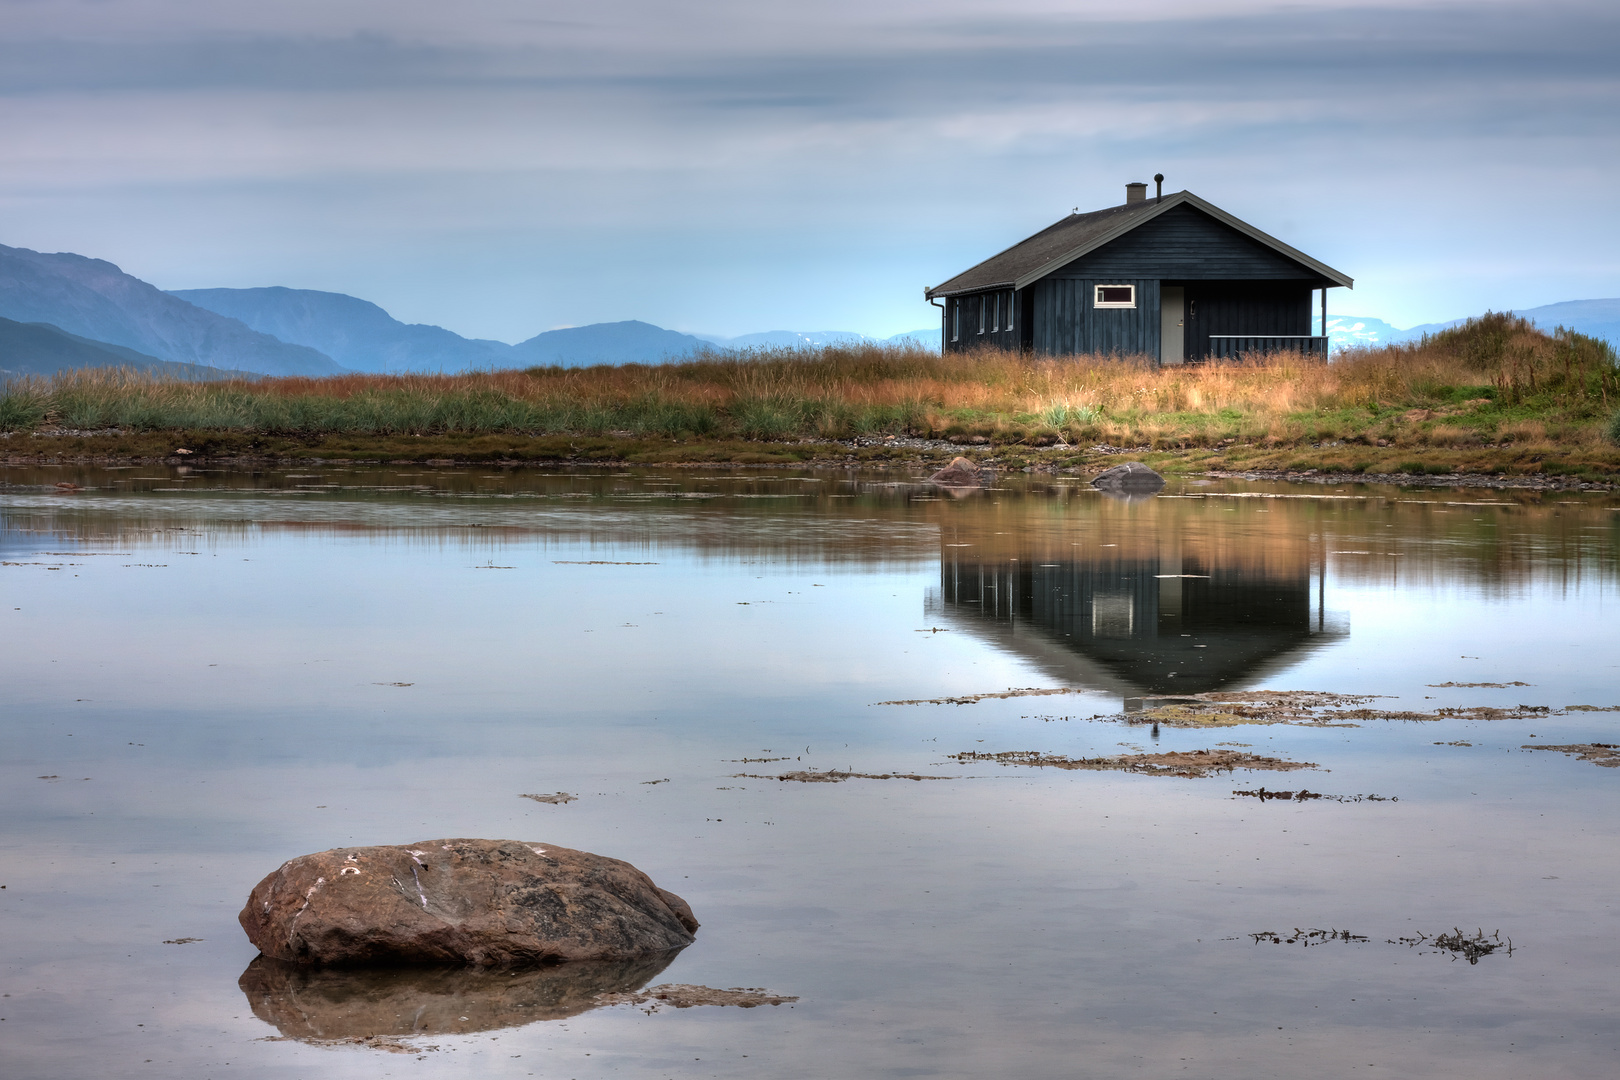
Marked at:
<point>42,349</point>
<point>798,339</point>
<point>629,342</point>
<point>1352,330</point>
<point>356,333</point>
<point>362,336</point>
<point>96,300</point>
<point>1595,318</point>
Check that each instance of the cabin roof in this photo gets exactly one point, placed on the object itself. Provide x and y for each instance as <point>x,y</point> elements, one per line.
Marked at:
<point>1079,234</point>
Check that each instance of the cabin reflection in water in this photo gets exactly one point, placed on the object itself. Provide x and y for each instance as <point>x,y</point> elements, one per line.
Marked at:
<point>1140,625</point>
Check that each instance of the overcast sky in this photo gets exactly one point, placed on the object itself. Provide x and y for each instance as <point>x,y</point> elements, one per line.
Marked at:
<point>502,167</point>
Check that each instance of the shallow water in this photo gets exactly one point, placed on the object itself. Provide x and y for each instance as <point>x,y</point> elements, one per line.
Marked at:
<point>207,673</point>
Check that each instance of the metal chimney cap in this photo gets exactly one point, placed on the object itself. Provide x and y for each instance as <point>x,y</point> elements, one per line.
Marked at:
<point>1135,192</point>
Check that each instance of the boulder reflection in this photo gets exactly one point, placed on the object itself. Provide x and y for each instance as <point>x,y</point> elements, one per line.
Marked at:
<point>304,1002</point>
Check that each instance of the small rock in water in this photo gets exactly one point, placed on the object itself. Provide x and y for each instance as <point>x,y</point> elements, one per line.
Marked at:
<point>959,473</point>
<point>1131,476</point>
<point>462,901</point>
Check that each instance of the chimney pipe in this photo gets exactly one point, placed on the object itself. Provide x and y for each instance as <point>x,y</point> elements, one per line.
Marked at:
<point>1158,186</point>
<point>1135,192</point>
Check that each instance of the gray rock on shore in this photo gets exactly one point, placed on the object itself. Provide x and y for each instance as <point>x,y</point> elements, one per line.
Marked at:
<point>959,473</point>
<point>1132,477</point>
<point>488,902</point>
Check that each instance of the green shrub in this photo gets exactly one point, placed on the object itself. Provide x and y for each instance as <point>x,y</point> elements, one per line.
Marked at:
<point>22,407</point>
<point>1614,428</point>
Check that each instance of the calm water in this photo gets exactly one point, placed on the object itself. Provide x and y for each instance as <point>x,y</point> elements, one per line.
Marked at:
<point>207,673</point>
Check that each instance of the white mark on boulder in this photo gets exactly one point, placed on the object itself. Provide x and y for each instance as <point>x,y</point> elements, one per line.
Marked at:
<point>349,870</point>
<point>419,891</point>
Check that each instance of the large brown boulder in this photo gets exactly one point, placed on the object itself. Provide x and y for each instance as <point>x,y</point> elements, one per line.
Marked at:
<point>462,901</point>
<point>961,472</point>
<point>1132,477</point>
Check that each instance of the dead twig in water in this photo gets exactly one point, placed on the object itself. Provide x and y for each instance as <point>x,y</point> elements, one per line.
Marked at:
<point>1459,944</point>
<point>558,798</point>
<point>1305,796</point>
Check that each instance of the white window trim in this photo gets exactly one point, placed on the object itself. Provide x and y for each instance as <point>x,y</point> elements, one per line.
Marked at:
<point>1012,297</point>
<point>956,320</point>
<point>983,300</point>
<point>995,319</point>
<point>1098,301</point>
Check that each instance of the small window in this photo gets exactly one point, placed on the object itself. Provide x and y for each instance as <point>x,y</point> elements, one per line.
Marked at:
<point>995,324</point>
<point>1012,298</point>
<point>984,304</point>
<point>1117,296</point>
<point>956,320</point>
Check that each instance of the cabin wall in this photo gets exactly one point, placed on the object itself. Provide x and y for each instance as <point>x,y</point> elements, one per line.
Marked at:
<point>1005,334</point>
<point>1187,243</point>
<point>1066,321</point>
<point>1244,307</point>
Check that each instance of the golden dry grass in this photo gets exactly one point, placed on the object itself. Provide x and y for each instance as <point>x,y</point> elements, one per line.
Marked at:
<point>1497,381</point>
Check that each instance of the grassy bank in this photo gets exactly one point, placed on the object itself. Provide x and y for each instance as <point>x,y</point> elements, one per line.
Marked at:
<point>1495,395</point>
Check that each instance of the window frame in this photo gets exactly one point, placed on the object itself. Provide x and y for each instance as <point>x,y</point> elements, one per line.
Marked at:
<point>982,306</point>
<point>1097,300</point>
<point>956,320</point>
<point>1012,302</point>
<point>995,319</point>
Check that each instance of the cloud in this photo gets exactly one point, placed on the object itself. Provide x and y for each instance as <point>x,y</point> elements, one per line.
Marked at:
<point>791,164</point>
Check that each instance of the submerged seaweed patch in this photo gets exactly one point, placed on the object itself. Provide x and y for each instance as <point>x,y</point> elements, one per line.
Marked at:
<point>836,776</point>
<point>972,699</point>
<point>1303,795</point>
<point>1470,947</point>
<point>1311,708</point>
<point>1188,763</point>
<point>1605,755</point>
<point>1472,685</point>
<point>686,995</point>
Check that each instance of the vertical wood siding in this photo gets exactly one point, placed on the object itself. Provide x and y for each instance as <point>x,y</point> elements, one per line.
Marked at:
<point>972,305</point>
<point>1222,307</point>
<point>1187,243</point>
<point>1066,321</point>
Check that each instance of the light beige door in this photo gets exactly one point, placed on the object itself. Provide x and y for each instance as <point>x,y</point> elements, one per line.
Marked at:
<point>1172,324</point>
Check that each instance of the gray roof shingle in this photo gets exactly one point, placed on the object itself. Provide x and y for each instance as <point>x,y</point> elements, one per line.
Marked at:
<point>1077,234</point>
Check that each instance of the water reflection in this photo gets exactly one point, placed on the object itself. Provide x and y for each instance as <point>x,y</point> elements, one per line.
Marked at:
<point>304,1002</point>
<point>1159,603</point>
<point>1136,626</point>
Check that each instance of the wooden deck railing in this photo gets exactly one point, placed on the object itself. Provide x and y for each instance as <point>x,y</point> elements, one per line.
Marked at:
<point>1235,346</point>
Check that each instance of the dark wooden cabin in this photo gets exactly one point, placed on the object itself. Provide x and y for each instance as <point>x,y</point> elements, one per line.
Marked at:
<point>1172,277</point>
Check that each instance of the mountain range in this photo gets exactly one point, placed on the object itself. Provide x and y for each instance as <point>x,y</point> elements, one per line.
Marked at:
<point>61,311</point>
<point>363,337</point>
<point>43,349</point>
<point>1595,318</point>
<point>94,299</point>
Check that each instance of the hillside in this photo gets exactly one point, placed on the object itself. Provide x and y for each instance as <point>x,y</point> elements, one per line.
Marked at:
<point>43,349</point>
<point>798,339</point>
<point>630,342</point>
<point>95,299</point>
<point>356,333</point>
<point>1594,318</point>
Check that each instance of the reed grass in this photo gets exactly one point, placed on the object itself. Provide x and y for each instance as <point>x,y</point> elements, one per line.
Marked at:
<point>1496,380</point>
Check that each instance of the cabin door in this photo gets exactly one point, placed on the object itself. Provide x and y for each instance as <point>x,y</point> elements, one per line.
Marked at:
<point>1172,324</point>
